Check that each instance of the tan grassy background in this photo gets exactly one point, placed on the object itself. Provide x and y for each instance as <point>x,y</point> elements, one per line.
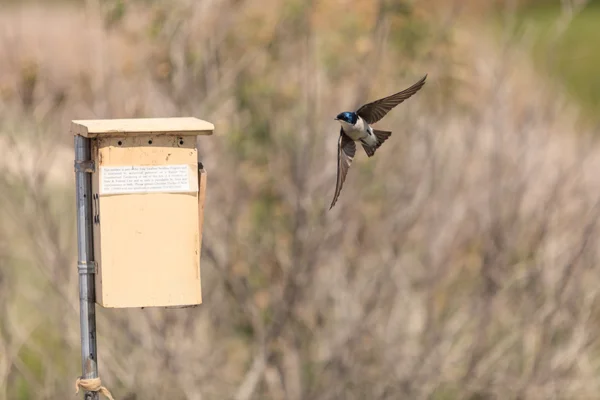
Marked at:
<point>459,263</point>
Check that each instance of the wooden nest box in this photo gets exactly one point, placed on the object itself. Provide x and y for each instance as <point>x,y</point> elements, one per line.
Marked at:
<point>148,192</point>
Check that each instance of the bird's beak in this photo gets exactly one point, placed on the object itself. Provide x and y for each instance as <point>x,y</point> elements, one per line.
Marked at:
<point>336,118</point>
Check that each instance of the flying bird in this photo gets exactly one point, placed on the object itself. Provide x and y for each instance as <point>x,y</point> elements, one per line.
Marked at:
<point>356,127</point>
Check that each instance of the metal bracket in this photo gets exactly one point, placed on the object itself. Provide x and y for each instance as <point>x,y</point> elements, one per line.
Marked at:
<point>87,267</point>
<point>96,209</point>
<point>85,166</point>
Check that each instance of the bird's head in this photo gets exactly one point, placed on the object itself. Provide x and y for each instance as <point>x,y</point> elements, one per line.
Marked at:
<point>348,117</point>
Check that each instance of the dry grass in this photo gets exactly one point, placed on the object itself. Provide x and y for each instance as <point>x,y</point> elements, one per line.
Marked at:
<point>460,263</point>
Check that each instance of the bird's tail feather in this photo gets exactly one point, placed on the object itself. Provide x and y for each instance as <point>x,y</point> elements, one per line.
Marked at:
<point>368,149</point>
<point>381,137</point>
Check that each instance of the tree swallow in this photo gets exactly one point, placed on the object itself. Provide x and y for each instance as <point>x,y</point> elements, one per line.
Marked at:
<point>356,127</point>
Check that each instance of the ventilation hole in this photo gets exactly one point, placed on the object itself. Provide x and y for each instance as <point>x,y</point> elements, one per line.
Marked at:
<point>181,141</point>
<point>119,143</point>
<point>150,141</point>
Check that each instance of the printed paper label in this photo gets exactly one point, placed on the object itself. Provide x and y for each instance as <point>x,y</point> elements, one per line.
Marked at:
<point>145,179</point>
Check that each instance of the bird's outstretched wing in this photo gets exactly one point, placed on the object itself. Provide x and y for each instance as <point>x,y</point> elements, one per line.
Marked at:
<point>346,151</point>
<point>373,112</point>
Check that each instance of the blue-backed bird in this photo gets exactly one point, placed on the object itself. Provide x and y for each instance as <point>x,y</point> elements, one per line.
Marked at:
<point>356,127</point>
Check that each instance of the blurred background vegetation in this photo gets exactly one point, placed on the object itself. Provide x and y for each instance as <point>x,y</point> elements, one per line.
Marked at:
<point>460,263</point>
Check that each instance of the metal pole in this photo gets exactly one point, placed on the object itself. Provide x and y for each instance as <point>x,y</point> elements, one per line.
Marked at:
<point>85,264</point>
